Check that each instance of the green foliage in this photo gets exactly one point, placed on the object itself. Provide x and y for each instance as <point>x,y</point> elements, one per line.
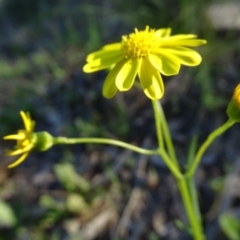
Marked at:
<point>48,201</point>
<point>55,211</point>
<point>153,236</point>
<point>182,226</point>
<point>230,226</point>
<point>217,184</point>
<point>68,177</point>
<point>7,216</point>
<point>76,203</point>
<point>87,128</point>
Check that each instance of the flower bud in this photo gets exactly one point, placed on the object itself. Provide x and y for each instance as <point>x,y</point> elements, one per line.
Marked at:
<point>233,109</point>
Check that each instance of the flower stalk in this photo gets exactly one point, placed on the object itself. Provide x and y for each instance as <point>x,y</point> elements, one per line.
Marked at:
<point>219,131</point>
<point>189,206</point>
<point>163,132</point>
<point>64,140</point>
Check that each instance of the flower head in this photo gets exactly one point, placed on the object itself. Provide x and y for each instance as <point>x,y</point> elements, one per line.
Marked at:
<point>27,140</point>
<point>233,110</point>
<point>148,54</point>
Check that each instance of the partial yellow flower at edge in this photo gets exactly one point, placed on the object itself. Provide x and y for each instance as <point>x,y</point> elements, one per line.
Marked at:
<point>147,54</point>
<point>233,109</point>
<point>27,140</point>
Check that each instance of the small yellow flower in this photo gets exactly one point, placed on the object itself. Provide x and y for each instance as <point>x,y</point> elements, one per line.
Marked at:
<point>233,110</point>
<point>27,140</point>
<point>144,53</point>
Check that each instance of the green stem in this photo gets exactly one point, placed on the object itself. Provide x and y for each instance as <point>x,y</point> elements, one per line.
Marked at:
<point>206,144</point>
<point>157,116</point>
<point>161,121</point>
<point>194,199</point>
<point>191,182</point>
<point>194,222</point>
<point>64,140</point>
<point>163,134</point>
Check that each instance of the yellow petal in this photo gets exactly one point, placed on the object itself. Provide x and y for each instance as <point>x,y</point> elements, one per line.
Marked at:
<point>151,80</point>
<point>19,160</point>
<point>113,46</point>
<point>102,63</point>
<point>30,124</point>
<point>104,52</point>
<point>170,64</point>
<point>191,42</point>
<point>28,147</point>
<point>109,85</point>
<point>88,68</point>
<point>163,32</point>
<point>182,40</point>
<point>26,120</point>
<point>186,56</point>
<point>20,150</point>
<point>181,37</point>
<point>14,137</point>
<point>14,152</point>
<point>127,74</point>
<point>155,61</point>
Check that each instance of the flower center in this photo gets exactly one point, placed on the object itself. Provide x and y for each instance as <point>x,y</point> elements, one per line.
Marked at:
<point>236,95</point>
<point>140,43</point>
<point>25,139</point>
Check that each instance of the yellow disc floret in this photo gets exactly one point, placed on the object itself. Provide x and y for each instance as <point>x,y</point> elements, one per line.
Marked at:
<point>140,44</point>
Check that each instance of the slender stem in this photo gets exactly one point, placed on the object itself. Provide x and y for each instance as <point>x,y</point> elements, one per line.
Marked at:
<point>191,182</point>
<point>191,151</point>
<point>64,140</point>
<point>168,138</point>
<point>194,199</point>
<point>194,222</point>
<point>166,133</point>
<point>206,144</point>
<point>158,120</point>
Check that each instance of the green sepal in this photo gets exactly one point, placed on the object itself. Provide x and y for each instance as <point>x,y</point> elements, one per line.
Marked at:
<point>44,141</point>
<point>233,111</point>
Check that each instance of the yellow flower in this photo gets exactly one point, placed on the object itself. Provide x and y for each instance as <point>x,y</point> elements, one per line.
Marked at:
<point>27,140</point>
<point>233,109</point>
<point>144,53</point>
